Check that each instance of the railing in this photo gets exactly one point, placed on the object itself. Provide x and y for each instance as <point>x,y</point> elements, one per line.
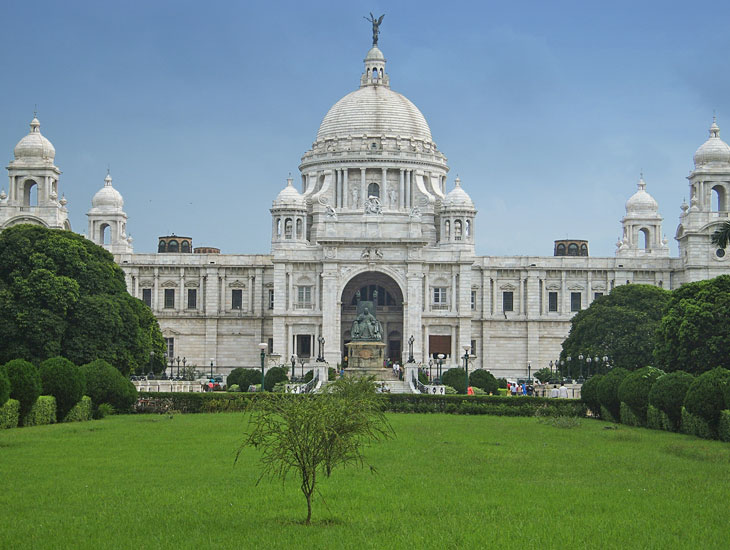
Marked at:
<point>309,387</point>
<point>303,305</point>
<point>418,385</point>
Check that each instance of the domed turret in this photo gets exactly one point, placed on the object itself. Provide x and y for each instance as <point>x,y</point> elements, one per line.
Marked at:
<point>714,150</point>
<point>641,202</point>
<point>642,226</point>
<point>289,196</point>
<point>457,198</point>
<point>35,145</point>
<point>107,198</point>
<point>289,216</point>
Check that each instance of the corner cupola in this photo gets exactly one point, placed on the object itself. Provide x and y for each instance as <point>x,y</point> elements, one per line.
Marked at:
<point>375,74</point>
<point>713,151</point>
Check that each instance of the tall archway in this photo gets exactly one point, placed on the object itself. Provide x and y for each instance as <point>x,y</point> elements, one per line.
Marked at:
<point>389,309</point>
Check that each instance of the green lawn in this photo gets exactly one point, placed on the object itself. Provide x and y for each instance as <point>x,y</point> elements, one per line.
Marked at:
<point>444,482</point>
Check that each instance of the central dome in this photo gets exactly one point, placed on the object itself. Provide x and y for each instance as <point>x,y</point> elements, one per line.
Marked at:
<point>373,111</point>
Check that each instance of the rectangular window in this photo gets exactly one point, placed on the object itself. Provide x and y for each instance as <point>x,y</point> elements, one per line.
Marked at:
<point>147,296</point>
<point>304,345</point>
<point>271,299</point>
<point>237,298</point>
<point>170,347</point>
<point>440,297</point>
<point>575,301</point>
<point>304,297</point>
<point>552,301</point>
<point>597,295</point>
<point>192,298</point>
<point>508,301</point>
<point>473,350</point>
<point>270,342</point>
<point>473,300</point>
<point>169,298</point>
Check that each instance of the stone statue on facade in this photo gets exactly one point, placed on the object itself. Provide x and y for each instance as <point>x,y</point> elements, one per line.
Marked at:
<point>373,206</point>
<point>366,326</point>
<point>376,26</point>
<point>355,193</point>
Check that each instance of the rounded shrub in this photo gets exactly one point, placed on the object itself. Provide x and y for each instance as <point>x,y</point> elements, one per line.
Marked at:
<point>635,387</point>
<point>668,392</point>
<point>273,376</point>
<point>105,384</point>
<point>244,378</point>
<point>706,395</point>
<point>589,394</point>
<point>455,378</point>
<point>4,386</point>
<point>484,380</point>
<point>608,391</point>
<point>25,383</point>
<point>61,379</point>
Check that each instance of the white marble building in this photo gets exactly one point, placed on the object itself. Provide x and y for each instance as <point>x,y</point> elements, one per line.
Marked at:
<point>372,212</point>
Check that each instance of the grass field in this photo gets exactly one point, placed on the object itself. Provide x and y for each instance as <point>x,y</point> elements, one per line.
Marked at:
<point>444,482</point>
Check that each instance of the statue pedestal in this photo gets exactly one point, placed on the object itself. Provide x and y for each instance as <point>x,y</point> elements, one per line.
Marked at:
<point>365,355</point>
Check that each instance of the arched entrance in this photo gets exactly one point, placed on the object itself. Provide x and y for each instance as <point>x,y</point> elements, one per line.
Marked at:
<point>389,309</point>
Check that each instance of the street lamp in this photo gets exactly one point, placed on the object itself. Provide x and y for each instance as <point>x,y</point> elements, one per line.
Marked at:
<point>551,368</point>
<point>580,358</point>
<point>466,367</point>
<point>152,356</point>
<point>430,364</point>
<point>211,367</point>
<point>301,363</point>
<point>293,365</point>
<point>440,364</point>
<point>262,347</point>
<point>320,358</point>
<point>588,364</point>
<point>605,361</point>
<point>569,360</point>
<point>410,349</point>
<point>529,371</point>
<point>178,367</point>
<point>171,361</point>
<point>184,361</point>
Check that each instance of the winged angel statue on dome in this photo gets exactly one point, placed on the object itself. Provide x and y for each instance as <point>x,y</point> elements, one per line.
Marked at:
<point>376,26</point>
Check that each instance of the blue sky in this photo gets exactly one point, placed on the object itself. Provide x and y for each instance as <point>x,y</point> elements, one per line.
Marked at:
<point>547,111</point>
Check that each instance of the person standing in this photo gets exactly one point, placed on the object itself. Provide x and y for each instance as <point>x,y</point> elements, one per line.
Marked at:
<point>563,392</point>
<point>554,393</point>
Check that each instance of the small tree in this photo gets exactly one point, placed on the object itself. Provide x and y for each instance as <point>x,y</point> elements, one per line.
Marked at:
<point>25,383</point>
<point>314,434</point>
<point>456,378</point>
<point>484,380</point>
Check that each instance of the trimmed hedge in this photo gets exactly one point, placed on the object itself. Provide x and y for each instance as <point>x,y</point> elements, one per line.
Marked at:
<point>244,378</point>
<point>62,380</point>
<point>634,391</point>
<point>4,386</point>
<point>629,418</point>
<point>589,394</point>
<point>667,395</point>
<point>42,412</point>
<point>723,427</point>
<point>696,425</point>
<point>81,411</point>
<point>706,396</point>
<point>25,384</point>
<point>453,404</point>
<point>9,414</point>
<point>608,392</point>
<point>657,419</point>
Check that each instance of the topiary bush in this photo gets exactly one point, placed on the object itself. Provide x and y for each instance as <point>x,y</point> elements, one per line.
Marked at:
<point>4,386</point>
<point>502,383</point>
<point>456,378</point>
<point>273,376</point>
<point>608,391</point>
<point>9,414</point>
<point>693,424</point>
<point>634,390</point>
<point>658,420</point>
<point>706,396</point>
<point>25,384</point>
<point>589,394</point>
<point>105,384</point>
<point>42,412</point>
<point>61,379</point>
<point>244,378</point>
<point>667,395</point>
<point>484,380</point>
<point>81,411</point>
<point>629,418</point>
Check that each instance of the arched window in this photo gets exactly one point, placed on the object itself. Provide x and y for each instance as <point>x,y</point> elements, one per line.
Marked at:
<point>560,250</point>
<point>105,234</point>
<point>185,247</point>
<point>30,193</point>
<point>374,189</point>
<point>287,228</point>
<point>572,249</point>
<point>719,199</point>
<point>162,247</point>
<point>278,228</point>
<point>447,230</point>
<point>457,230</point>
<point>467,228</point>
<point>645,238</point>
<point>299,228</point>
<point>172,246</point>
<point>583,250</point>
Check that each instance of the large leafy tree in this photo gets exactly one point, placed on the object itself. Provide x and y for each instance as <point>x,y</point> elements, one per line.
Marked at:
<point>62,295</point>
<point>694,335</point>
<point>620,325</point>
<point>721,236</point>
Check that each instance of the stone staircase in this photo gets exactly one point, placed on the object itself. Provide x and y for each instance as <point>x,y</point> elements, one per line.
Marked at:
<point>397,386</point>
<point>383,376</point>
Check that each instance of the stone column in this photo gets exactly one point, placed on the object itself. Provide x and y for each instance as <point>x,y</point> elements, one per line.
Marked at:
<point>454,296</point>
<point>250,293</point>
<point>401,189</point>
<point>363,186</point>
<point>412,318</point>
<point>383,187</point>
<point>222,299</point>
<point>338,187</point>
<point>156,292</point>
<point>330,315</point>
<point>136,284</point>
<point>343,199</point>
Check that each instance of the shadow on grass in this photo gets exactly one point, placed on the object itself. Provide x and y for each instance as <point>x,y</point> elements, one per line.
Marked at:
<point>700,454</point>
<point>325,522</point>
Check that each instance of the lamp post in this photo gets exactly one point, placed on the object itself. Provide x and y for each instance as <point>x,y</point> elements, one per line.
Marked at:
<point>605,361</point>
<point>588,366</point>
<point>410,349</point>
<point>580,358</point>
<point>301,363</point>
<point>211,367</point>
<point>178,367</point>
<point>569,359</point>
<point>529,372</point>
<point>171,361</point>
<point>152,356</point>
<point>440,364</point>
<point>551,368</point>
<point>320,357</point>
<point>262,347</point>
<point>430,364</point>
<point>184,361</point>
<point>293,365</point>
<point>466,367</point>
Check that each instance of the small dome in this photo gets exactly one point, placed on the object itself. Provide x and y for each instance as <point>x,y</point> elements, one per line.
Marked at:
<point>289,196</point>
<point>374,55</point>
<point>714,150</point>
<point>458,198</point>
<point>35,145</point>
<point>107,198</point>
<point>641,201</point>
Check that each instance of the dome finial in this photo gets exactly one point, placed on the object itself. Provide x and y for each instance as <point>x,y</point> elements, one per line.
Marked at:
<point>376,26</point>
<point>108,179</point>
<point>714,128</point>
<point>642,184</point>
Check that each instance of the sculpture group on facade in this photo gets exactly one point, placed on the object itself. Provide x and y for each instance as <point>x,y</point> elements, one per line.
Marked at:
<point>366,326</point>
